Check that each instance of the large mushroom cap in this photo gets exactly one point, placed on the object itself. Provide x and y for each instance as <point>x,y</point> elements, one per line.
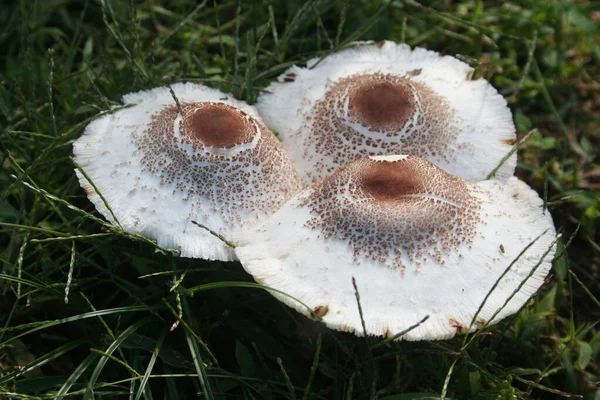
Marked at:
<point>419,242</point>
<point>160,166</point>
<point>385,98</point>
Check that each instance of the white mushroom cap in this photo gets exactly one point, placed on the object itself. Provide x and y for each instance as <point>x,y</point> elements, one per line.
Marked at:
<point>386,98</point>
<point>158,169</point>
<point>419,242</point>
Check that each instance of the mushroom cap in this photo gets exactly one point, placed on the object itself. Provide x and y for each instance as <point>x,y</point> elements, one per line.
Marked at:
<point>386,98</point>
<point>419,242</point>
<point>158,169</point>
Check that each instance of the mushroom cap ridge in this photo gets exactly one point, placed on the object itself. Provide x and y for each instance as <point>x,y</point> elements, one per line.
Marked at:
<point>158,169</point>
<point>399,285</point>
<point>463,126</point>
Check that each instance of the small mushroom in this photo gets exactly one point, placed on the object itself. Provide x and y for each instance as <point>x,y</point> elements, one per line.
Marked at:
<point>417,240</point>
<point>162,164</point>
<point>386,98</point>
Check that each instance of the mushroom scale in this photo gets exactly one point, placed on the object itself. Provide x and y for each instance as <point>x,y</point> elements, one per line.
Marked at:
<point>386,98</point>
<point>417,240</point>
<point>161,165</point>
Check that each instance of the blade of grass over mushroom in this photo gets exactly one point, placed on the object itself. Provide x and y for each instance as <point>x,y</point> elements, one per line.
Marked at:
<point>467,340</point>
<point>98,192</point>
<point>510,153</point>
<point>215,234</point>
<point>360,311</point>
<point>114,229</point>
<point>174,96</point>
<point>370,359</point>
<point>495,285</point>
<point>510,320</point>
<point>533,270</point>
<point>398,335</point>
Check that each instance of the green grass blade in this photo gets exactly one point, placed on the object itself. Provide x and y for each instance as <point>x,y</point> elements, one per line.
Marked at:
<point>89,393</point>
<point>197,357</point>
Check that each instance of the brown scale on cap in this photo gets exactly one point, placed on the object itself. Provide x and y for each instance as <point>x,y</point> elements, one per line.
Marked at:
<point>216,125</point>
<point>381,105</point>
<point>396,211</point>
<point>370,114</point>
<point>385,182</point>
<point>235,182</point>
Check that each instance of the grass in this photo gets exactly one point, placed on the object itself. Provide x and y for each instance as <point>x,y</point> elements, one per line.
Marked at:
<point>90,311</point>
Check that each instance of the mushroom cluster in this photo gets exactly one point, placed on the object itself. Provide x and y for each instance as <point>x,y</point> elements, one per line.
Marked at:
<point>378,186</point>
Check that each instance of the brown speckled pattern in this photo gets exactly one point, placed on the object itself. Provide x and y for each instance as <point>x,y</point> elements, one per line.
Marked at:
<point>237,179</point>
<point>370,114</point>
<point>396,212</point>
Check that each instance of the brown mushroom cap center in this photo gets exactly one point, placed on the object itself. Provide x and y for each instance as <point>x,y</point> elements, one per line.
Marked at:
<point>388,180</point>
<point>393,209</point>
<point>217,125</point>
<point>387,102</point>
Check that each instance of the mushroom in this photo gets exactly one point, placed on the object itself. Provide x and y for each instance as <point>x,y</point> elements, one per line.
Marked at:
<point>417,240</point>
<point>385,98</point>
<point>171,159</point>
